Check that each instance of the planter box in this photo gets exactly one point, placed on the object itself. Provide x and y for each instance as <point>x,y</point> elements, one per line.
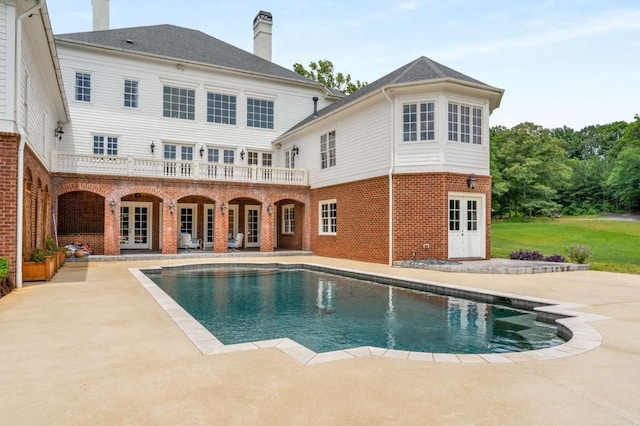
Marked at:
<point>51,266</point>
<point>34,271</point>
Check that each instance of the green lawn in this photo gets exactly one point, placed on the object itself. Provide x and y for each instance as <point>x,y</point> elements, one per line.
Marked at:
<point>615,245</point>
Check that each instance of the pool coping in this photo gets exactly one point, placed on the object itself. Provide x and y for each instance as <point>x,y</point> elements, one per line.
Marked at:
<point>572,325</point>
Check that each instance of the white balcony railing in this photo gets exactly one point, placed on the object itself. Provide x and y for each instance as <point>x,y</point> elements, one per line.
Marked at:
<point>128,166</point>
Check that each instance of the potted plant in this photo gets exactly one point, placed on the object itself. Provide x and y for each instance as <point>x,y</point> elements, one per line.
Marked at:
<point>36,268</point>
<point>51,249</point>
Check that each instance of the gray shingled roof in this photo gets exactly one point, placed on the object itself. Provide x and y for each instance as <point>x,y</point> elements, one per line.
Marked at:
<point>182,44</point>
<point>422,69</point>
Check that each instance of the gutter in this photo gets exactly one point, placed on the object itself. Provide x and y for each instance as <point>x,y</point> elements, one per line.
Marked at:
<point>23,139</point>
<point>391,170</point>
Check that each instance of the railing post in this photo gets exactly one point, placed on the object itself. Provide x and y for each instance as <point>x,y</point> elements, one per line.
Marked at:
<point>130,165</point>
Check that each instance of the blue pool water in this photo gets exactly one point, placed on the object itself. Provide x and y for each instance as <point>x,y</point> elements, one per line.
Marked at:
<point>326,312</point>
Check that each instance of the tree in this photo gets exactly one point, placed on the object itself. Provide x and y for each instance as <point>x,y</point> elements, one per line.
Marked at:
<point>625,176</point>
<point>323,72</point>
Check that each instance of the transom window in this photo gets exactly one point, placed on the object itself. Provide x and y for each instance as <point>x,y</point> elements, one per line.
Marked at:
<point>105,145</point>
<point>260,113</point>
<point>288,218</point>
<point>328,150</point>
<point>221,108</point>
<point>328,217</point>
<point>131,93</point>
<point>418,127</point>
<point>83,87</point>
<point>179,103</point>
<point>465,123</point>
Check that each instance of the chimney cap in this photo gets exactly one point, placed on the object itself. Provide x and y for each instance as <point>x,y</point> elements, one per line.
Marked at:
<point>263,15</point>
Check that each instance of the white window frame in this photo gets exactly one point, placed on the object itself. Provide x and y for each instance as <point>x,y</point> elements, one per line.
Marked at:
<point>226,112</point>
<point>328,150</point>
<point>418,121</point>
<point>262,115</point>
<point>328,223</point>
<point>288,219</point>
<point>289,159</point>
<point>131,93</point>
<point>82,92</point>
<point>476,126</point>
<point>107,145</point>
<point>464,123</point>
<point>179,102</point>
<point>453,111</point>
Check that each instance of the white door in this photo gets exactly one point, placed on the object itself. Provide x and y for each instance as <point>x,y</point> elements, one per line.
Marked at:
<point>252,226</point>
<point>135,225</point>
<point>187,219</point>
<point>466,227</point>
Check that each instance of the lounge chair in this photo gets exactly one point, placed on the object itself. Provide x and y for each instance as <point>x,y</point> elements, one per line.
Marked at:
<point>235,243</point>
<point>186,242</point>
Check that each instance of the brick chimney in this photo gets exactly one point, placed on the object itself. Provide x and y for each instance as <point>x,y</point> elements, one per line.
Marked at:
<point>100,14</point>
<point>262,25</point>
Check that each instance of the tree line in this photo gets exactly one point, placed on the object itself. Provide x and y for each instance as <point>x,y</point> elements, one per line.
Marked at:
<point>538,171</point>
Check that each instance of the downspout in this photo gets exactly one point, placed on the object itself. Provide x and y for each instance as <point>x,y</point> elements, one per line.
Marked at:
<point>23,138</point>
<point>391,170</point>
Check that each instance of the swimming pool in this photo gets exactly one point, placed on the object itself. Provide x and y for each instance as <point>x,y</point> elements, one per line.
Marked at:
<point>327,312</point>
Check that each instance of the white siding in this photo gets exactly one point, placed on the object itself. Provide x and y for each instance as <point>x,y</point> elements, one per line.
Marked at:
<point>137,128</point>
<point>4,63</point>
<point>363,144</point>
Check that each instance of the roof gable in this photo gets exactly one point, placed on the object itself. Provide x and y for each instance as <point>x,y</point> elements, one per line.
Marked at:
<point>182,44</point>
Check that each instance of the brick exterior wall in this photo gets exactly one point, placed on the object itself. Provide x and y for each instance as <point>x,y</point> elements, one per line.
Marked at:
<point>420,216</point>
<point>362,220</point>
<point>105,188</point>
<point>421,212</point>
<point>8,198</point>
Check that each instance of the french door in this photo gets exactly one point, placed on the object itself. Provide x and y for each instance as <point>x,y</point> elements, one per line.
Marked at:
<point>135,225</point>
<point>466,226</point>
<point>252,226</point>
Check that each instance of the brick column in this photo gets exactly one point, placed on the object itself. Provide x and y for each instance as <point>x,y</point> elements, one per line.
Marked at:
<point>9,199</point>
<point>169,228</point>
<point>220,230</point>
<point>266,228</point>
<point>111,228</point>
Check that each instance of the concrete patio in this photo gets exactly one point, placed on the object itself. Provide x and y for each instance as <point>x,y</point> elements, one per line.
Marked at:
<point>92,346</point>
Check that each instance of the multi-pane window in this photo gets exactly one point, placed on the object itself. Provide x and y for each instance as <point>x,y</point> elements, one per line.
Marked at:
<point>418,127</point>
<point>477,125</point>
<point>170,152</point>
<point>105,145</point>
<point>289,159</point>
<point>131,93</point>
<point>186,153</point>
<point>252,158</point>
<point>221,108</point>
<point>472,215</point>
<point>228,156</point>
<point>454,215</point>
<point>328,150</point>
<point>465,124</point>
<point>83,87</point>
<point>328,217</point>
<point>288,218</point>
<point>267,159</point>
<point>260,113</point>
<point>453,122</point>
<point>213,155</point>
<point>179,103</point>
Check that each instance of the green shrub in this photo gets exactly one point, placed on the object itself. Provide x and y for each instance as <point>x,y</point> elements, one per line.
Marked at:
<point>4,268</point>
<point>578,253</point>
<point>38,255</point>
<point>50,246</point>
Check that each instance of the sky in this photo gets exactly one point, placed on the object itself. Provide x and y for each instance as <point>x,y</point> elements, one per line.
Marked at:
<point>561,63</point>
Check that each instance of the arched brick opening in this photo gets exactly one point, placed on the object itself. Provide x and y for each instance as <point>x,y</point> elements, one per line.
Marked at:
<point>81,219</point>
<point>288,221</point>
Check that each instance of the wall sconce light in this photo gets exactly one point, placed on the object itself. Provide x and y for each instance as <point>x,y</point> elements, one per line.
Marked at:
<point>152,146</point>
<point>171,206</point>
<point>471,181</point>
<point>242,154</point>
<point>270,209</point>
<point>58,131</point>
<point>112,204</point>
<point>222,208</point>
<point>295,150</point>
<point>202,151</point>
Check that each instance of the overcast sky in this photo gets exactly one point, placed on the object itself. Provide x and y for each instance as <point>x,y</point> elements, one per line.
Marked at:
<point>565,62</point>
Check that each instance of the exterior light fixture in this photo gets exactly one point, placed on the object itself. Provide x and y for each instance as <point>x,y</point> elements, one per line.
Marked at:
<point>242,154</point>
<point>295,150</point>
<point>270,209</point>
<point>171,206</point>
<point>112,204</point>
<point>202,151</point>
<point>471,181</point>
<point>152,146</point>
<point>222,208</point>
<point>58,131</point>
